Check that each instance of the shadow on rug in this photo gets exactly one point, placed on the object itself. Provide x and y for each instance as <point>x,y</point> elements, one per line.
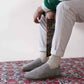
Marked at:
<point>72,72</point>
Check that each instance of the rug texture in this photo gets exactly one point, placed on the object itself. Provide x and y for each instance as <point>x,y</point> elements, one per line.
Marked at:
<point>72,72</point>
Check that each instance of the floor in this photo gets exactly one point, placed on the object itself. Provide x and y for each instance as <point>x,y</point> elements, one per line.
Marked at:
<point>72,72</point>
<point>19,34</point>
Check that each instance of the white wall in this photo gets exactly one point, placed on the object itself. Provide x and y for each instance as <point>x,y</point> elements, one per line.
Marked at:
<point>19,34</point>
<point>75,47</point>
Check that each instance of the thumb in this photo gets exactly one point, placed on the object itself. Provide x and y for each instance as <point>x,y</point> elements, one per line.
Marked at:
<point>38,18</point>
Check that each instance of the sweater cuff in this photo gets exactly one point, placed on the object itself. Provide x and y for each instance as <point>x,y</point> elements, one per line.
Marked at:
<point>45,8</point>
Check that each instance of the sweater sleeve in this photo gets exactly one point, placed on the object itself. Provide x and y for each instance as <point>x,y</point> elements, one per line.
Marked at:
<point>50,5</point>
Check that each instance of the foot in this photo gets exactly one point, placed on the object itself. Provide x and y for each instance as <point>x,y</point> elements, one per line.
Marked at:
<point>42,72</point>
<point>36,63</point>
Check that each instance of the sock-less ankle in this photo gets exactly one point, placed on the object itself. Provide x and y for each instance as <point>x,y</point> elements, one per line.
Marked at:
<point>54,61</point>
<point>43,56</point>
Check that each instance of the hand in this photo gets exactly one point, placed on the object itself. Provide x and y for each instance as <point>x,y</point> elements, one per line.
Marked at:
<point>50,15</point>
<point>37,14</point>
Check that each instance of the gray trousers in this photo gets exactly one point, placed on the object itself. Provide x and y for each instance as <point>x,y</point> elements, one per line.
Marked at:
<point>67,13</point>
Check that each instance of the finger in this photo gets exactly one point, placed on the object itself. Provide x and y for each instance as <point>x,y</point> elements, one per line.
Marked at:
<point>36,21</point>
<point>39,17</point>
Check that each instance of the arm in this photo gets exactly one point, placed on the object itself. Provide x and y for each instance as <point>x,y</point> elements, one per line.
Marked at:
<point>37,14</point>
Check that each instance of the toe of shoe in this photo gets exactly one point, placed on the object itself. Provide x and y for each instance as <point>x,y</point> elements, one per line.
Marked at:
<point>29,75</point>
<point>24,68</point>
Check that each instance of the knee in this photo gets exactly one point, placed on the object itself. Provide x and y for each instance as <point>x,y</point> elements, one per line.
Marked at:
<point>64,5</point>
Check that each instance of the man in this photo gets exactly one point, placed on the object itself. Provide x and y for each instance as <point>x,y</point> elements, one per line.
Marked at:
<point>67,13</point>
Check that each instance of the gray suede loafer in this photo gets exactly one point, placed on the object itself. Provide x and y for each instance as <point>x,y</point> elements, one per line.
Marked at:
<point>32,65</point>
<point>42,72</point>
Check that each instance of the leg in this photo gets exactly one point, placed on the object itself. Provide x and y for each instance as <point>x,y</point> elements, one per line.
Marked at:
<point>65,19</point>
<point>43,39</point>
<point>42,48</point>
<point>68,12</point>
<point>42,34</point>
<point>66,15</point>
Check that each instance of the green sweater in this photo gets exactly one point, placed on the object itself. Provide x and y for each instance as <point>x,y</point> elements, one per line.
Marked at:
<point>51,4</point>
